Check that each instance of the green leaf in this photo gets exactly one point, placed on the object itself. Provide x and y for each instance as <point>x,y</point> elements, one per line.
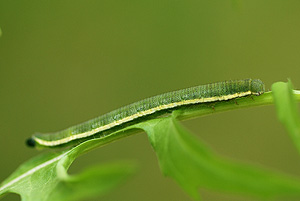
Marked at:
<point>45,177</point>
<point>193,164</point>
<point>181,156</point>
<point>287,110</point>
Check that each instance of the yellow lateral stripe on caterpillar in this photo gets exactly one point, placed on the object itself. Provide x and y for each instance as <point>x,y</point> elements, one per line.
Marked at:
<point>137,115</point>
<point>146,108</point>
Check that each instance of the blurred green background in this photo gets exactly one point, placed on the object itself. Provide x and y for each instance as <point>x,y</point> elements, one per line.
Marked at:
<point>65,62</point>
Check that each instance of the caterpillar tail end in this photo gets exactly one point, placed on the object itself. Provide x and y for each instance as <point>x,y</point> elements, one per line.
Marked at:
<point>31,142</point>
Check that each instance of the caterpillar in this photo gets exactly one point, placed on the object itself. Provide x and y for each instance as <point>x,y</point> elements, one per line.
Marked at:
<point>148,108</point>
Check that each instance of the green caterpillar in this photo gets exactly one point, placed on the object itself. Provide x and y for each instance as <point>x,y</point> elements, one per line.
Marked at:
<point>148,108</point>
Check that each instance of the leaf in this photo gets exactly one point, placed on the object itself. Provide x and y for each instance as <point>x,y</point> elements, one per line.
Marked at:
<point>96,180</point>
<point>287,110</point>
<point>192,164</point>
<point>181,156</point>
<point>45,177</point>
